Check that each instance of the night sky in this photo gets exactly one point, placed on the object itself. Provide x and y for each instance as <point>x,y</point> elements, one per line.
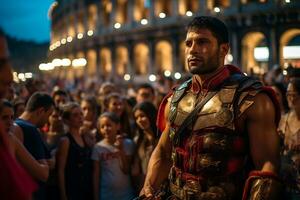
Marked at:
<point>26,19</point>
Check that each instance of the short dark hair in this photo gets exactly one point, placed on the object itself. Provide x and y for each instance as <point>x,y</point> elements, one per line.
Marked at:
<point>39,100</point>
<point>110,115</point>
<point>215,25</point>
<point>147,86</point>
<point>60,92</point>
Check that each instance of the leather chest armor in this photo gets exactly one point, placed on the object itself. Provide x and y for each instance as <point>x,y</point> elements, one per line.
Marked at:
<point>211,152</point>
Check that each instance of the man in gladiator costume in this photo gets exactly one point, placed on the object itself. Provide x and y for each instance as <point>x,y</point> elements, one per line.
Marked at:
<point>219,139</point>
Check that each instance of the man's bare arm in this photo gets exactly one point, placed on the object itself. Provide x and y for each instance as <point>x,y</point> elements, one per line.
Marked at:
<point>159,163</point>
<point>263,137</point>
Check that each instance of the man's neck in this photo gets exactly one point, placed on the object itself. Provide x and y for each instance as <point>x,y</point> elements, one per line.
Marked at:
<point>28,117</point>
<point>202,77</point>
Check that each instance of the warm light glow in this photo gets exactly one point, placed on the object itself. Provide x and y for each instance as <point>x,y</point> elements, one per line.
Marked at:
<point>144,21</point>
<point>167,73</point>
<point>127,77</point>
<point>177,75</point>
<point>261,53</point>
<point>63,41</point>
<point>15,75</point>
<point>117,25</point>
<point>162,15</point>
<point>80,62</point>
<point>287,1</point>
<point>45,67</point>
<point>65,62</point>
<point>291,52</point>
<point>56,62</point>
<point>28,75</point>
<point>51,48</point>
<point>21,76</point>
<point>90,33</point>
<point>284,72</point>
<point>229,58</point>
<point>57,44</point>
<point>79,36</point>
<point>152,77</point>
<point>189,13</point>
<point>217,9</point>
<point>69,39</point>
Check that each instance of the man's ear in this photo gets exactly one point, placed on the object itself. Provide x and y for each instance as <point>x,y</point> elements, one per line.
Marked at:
<point>224,49</point>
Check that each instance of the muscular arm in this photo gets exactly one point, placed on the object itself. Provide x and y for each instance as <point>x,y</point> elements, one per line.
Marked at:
<point>159,163</point>
<point>34,168</point>
<point>263,138</point>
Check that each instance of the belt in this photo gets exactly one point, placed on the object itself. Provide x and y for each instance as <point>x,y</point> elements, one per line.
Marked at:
<point>190,191</point>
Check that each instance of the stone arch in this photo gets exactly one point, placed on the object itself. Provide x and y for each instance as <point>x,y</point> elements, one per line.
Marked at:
<point>79,71</point>
<point>80,23</point>
<point>140,10</point>
<point>121,11</point>
<point>285,40</point>
<point>162,6</point>
<point>91,62</point>
<point>92,16</point>
<point>211,4</point>
<point>163,56</point>
<point>141,59</point>
<point>71,27</point>
<point>121,60</point>
<point>249,63</point>
<point>187,5</point>
<point>105,64</point>
<point>106,10</point>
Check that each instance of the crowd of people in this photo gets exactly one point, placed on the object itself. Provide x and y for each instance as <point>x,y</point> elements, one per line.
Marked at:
<point>59,142</point>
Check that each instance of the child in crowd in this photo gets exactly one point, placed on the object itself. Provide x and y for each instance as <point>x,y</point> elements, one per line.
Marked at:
<point>112,157</point>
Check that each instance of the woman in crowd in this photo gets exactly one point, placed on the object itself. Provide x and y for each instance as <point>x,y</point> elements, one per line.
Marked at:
<point>280,91</point>
<point>115,103</point>
<point>90,110</point>
<point>290,129</point>
<point>73,158</point>
<point>145,140</point>
<point>112,158</point>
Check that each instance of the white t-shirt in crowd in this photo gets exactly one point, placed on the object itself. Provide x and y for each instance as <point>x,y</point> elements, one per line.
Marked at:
<point>113,183</point>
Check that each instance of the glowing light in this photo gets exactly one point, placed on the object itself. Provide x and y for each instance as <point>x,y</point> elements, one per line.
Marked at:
<point>245,74</point>
<point>65,62</point>
<point>46,66</point>
<point>291,52</point>
<point>261,53</point>
<point>167,73</point>
<point>79,62</point>
<point>21,76</point>
<point>228,59</point>
<point>117,25</point>
<point>79,36</point>
<point>162,15</point>
<point>15,75</point>
<point>57,44</point>
<point>69,39</point>
<point>144,21</point>
<point>51,48</point>
<point>56,62</point>
<point>287,1</point>
<point>284,72</point>
<point>152,77</point>
<point>177,75</point>
<point>217,9</point>
<point>28,75</point>
<point>189,13</point>
<point>63,41</point>
<point>90,33</point>
<point>285,65</point>
<point>127,77</point>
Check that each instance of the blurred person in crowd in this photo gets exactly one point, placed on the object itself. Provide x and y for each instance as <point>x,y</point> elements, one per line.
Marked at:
<point>90,111</point>
<point>145,92</point>
<point>290,129</point>
<point>19,107</point>
<point>280,91</point>
<point>115,103</point>
<point>146,139</point>
<point>215,125</point>
<point>104,90</point>
<point>60,97</point>
<point>15,183</point>
<point>73,158</point>
<point>112,157</point>
<point>38,109</point>
<point>10,95</point>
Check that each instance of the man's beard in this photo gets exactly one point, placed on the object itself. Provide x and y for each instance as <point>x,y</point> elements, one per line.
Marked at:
<point>206,67</point>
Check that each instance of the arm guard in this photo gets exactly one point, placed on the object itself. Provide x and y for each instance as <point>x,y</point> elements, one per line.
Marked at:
<point>263,185</point>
